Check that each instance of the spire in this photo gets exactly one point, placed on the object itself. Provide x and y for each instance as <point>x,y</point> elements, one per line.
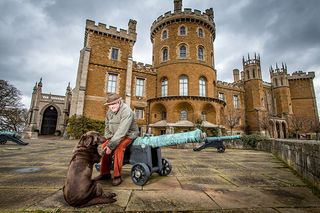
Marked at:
<point>242,59</point>
<point>40,82</point>
<point>259,56</point>
<point>248,56</point>
<point>68,87</point>
<point>277,68</point>
<point>255,55</point>
<point>35,87</point>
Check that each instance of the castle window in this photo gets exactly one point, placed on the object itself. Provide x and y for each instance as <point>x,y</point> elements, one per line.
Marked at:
<point>163,115</point>
<point>236,102</point>
<point>182,31</point>
<point>139,87</point>
<point>200,32</point>
<point>200,53</point>
<point>183,115</point>
<point>139,113</point>
<point>276,82</point>
<point>114,53</point>
<point>164,87</point>
<point>183,51</point>
<point>203,116</point>
<point>183,85</point>
<point>164,34</point>
<point>253,73</point>
<point>165,54</point>
<point>202,87</point>
<point>221,96</point>
<point>281,80</point>
<point>112,83</point>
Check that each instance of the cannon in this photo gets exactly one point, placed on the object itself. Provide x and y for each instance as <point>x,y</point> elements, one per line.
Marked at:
<point>216,142</point>
<point>144,154</point>
<point>11,136</point>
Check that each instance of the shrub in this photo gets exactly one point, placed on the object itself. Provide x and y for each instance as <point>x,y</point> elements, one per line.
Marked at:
<point>252,140</point>
<point>77,126</point>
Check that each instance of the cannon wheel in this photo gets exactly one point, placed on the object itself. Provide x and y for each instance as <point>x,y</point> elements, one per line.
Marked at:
<point>140,173</point>
<point>166,167</point>
<point>221,149</point>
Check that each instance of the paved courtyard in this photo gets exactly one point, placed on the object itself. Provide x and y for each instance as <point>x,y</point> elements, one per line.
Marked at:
<point>31,178</point>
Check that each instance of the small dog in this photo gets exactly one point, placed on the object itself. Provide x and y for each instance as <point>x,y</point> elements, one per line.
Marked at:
<point>79,189</point>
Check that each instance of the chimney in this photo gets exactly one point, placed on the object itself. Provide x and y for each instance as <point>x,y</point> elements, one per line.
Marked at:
<point>177,5</point>
<point>236,75</point>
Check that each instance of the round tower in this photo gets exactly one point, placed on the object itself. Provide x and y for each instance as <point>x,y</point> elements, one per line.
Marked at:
<point>254,93</point>
<point>281,90</point>
<point>183,55</point>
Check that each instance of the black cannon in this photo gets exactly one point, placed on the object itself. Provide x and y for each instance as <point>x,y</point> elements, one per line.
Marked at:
<point>11,136</point>
<point>216,142</point>
<point>144,160</point>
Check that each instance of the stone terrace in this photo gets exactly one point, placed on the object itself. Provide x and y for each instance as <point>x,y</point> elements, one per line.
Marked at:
<point>31,178</point>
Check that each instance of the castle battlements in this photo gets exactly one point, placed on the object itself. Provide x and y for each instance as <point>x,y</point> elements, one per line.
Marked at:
<point>255,60</point>
<point>278,71</point>
<point>129,34</point>
<point>145,68</point>
<point>301,75</point>
<point>227,85</point>
<point>204,18</point>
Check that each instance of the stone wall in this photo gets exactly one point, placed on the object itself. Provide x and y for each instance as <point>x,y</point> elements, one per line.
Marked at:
<point>302,156</point>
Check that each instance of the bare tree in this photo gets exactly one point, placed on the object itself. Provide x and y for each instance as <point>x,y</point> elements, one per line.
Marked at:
<point>12,113</point>
<point>297,124</point>
<point>232,119</point>
<point>264,123</point>
<point>315,127</point>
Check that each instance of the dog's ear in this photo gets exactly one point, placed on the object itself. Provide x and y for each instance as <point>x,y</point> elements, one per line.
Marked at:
<point>85,139</point>
<point>101,139</point>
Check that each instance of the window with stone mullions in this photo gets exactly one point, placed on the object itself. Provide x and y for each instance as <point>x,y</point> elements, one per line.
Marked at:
<point>164,88</point>
<point>202,87</point>
<point>139,87</point>
<point>183,86</point>
<point>114,54</point>
<point>112,83</point>
<point>139,113</point>
<point>221,96</point>
<point>236,103</point>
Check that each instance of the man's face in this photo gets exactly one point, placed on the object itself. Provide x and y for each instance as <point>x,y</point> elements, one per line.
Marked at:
<point>114,107</point>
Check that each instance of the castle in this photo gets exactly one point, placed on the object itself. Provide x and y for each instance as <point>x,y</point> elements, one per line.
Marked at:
<point>180,90</point>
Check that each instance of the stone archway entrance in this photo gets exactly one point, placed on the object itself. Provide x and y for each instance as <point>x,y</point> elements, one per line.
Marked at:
<point>49,121</point>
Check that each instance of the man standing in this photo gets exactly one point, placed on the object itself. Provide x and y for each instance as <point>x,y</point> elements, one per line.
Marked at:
<point>121,129</point>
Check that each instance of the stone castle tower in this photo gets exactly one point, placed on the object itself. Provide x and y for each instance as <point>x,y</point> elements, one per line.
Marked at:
<point>180,90</point>
<point>281,91</point>
<point>254,92</point>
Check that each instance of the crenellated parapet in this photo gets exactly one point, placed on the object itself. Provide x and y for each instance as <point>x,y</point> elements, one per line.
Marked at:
<point>231,86</point>
<point>129,35</point>
<point>301,75</point>
<point>187,15</point>
<point>143,68</point>
<point>278,71</point>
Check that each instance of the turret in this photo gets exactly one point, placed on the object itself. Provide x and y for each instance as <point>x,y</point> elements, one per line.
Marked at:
<point>280,90</point>
<point>254,92</point>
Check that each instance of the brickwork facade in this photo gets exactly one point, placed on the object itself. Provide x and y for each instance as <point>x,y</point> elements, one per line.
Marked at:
<point>180,89</point>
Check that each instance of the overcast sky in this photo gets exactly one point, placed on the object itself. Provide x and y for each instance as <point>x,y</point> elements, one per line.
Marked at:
<point>42,38</point>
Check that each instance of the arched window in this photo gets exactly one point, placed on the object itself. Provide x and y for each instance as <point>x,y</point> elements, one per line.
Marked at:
<point>200,53</point>
<point>281,80</point>
<point>183,115</point>
<point>183,51</point>
<point>200,32</point>
<point>253,73</point>
<point>164,34</point>
<point>182,31</point>
<point>183,81</point>
<point>248,75</point>
<point>276,82</point>
<point>202,87</point>
<point>164,87</point>
<point>165,54</point>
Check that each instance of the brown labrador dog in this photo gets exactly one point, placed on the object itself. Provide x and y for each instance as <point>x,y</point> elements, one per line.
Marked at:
<point>79,189</point>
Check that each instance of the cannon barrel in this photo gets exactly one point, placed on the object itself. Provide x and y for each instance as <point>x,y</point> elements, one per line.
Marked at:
<point>195,136</point>
<point>223,138</point>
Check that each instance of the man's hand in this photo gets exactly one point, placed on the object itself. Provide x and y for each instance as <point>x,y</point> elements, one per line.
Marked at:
<point>107,150</point>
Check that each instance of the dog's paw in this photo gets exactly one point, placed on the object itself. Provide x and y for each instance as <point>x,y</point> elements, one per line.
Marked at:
<point>110,195</point>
